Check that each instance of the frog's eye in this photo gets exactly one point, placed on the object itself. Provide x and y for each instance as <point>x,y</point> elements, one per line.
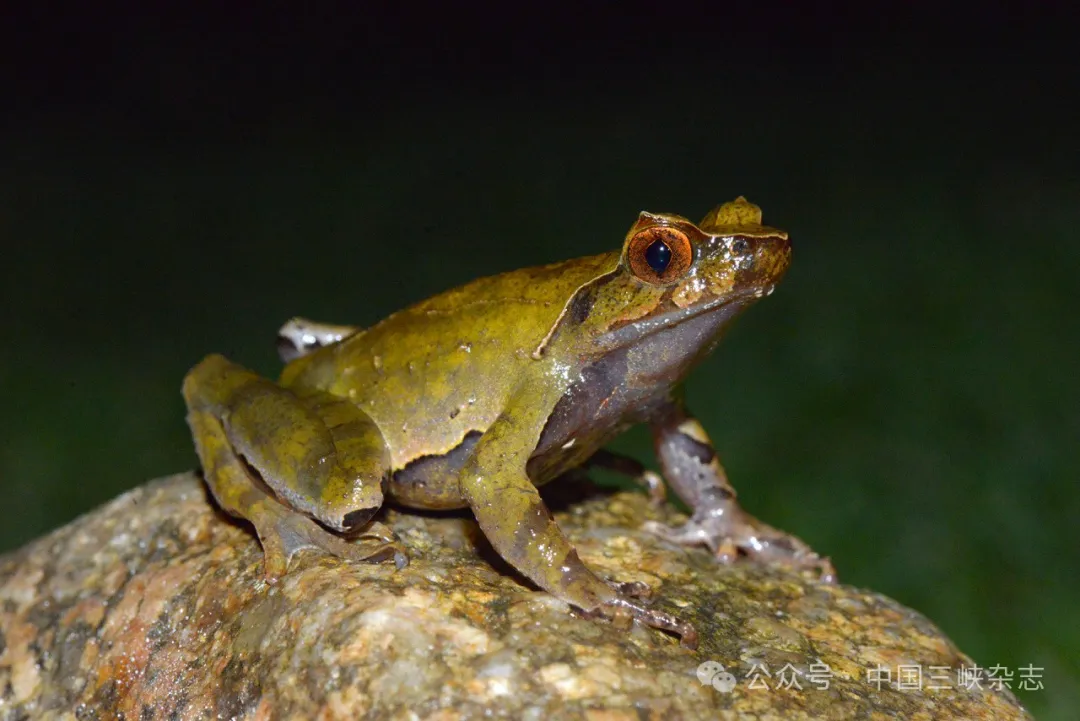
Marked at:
<point>659,254</point>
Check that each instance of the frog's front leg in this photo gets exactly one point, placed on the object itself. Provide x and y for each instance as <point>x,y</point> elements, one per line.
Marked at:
<point>519,526</point>
<point>279,460</point>
<point>691,467</point>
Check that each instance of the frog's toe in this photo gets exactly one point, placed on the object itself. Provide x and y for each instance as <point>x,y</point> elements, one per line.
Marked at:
<point>826,570</point>
<point>377,531</point>
<point>633,589</point>
<point>275,555</point>
<point>653,483</point>
<point>729,537</point>
<point>284,533</point>
<point>622,611</point>
<point>690,533</point>
<point>376,544</point>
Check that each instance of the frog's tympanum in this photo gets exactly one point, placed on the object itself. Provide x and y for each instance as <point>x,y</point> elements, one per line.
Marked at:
<point>477,396</point>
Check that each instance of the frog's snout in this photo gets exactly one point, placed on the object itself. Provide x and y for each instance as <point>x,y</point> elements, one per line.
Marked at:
<point>764,259</point>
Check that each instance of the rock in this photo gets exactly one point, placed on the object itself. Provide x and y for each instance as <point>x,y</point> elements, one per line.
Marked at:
<point>154,607</point>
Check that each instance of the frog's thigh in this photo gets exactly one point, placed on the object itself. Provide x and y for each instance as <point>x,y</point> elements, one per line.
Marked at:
<point>320,455</point>
<point>281,530</point>
<point>350,494</point>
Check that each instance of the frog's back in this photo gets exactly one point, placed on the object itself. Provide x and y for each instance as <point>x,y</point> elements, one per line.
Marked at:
<point>430,374</point>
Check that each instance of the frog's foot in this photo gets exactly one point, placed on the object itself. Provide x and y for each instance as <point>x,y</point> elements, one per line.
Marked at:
<point>651,481</point>
<point>283,533</point>
<point>727,535</point>
<point>622,612</point>
<point>633,589</point>
<point>300,337</point>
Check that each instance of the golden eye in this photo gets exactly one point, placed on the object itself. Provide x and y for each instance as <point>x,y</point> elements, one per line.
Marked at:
<point>659,254</point>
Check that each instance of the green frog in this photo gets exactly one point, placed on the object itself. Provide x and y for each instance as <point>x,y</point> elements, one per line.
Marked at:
<point>476,396</point>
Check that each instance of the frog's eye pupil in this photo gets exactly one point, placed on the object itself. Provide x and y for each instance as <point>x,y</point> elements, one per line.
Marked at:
<point>658,256</point>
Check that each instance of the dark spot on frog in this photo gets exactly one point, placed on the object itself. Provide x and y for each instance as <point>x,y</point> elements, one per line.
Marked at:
<point>693,448</point>
<point>585,298</point>
<point>740,246</point>
<point>288,350</point>
<point>586,409</point>
<point>147,713</point>
<point>581,305</point>
<point>417,474</point>
<point>716,494</point>
<point>454,413</point>
<point>532,524</point>
<point>783,542</point>
<point>354,519</point>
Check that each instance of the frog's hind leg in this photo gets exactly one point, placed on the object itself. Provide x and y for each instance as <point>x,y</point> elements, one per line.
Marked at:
<point>266,451</point>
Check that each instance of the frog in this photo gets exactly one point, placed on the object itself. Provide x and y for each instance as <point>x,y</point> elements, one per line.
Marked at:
<point>478,396</point>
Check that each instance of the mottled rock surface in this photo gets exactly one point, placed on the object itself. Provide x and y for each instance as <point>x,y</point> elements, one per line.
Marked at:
<point>154,607</point>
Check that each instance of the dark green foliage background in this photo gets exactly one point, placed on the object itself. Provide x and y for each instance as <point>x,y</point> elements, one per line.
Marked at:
<point>906,402</point>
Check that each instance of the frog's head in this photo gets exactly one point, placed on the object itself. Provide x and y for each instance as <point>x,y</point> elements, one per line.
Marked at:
<point>678,284</point>
<point>729,256</point>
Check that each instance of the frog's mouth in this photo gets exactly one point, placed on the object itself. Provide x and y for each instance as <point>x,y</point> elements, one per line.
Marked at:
<point>720,310</point>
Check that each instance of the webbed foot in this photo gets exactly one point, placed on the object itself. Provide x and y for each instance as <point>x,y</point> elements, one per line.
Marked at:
<point>283,533</point>
<point>727,534</point>
<point>622,612</point>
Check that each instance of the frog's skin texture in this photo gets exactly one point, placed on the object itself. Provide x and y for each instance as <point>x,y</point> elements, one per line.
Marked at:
<point>478,395</point>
